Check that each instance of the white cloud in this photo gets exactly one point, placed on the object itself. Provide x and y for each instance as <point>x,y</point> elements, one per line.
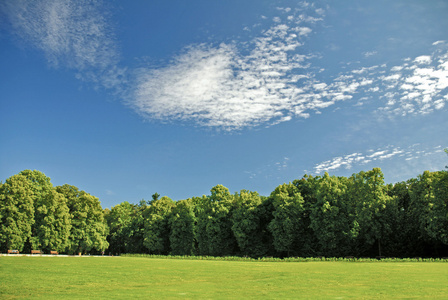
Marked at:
<point>393,77</point>
<point>370,53</point>
<point>230,86</point>
<point>416,87</point>
<point>320,86</point>
<point>389,152</point>
<point>73,33</point>
<point>284,9</point>
<point>282,164</point>
<point>217,86</point>
<point>396,68</point>
<point>424,59</point>
<point>377,153</point>
<point>420,89</point>
<point>303,31</point>
<point>438,43</point>
<point>320,11</point>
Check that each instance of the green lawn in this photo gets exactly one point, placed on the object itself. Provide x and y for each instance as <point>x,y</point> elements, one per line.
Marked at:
<point>133,277</point>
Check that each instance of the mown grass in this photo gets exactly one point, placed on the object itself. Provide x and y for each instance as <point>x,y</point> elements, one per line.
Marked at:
<point>139,277</point>
<point>290,259</point>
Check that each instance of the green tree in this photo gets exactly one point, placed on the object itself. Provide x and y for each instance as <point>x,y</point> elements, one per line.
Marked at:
<point>219,226</point>
<point>182,223</point>
<point>51,229</point>
<point>201,211</point>
<point>421,202</point>
<point>403,240</point>
<point>16,212</point>
<point>89,229</point>
<point>287,227</point>
<point>214,228</point>
<point>307,187</point>
<point>446,151</point>
<point>155,196</point>
<point>157,229</point>
<point>265,214</point>
<point>370,200</point>
<point>332,218</point>
<point>438,227</point>
<point>429,207</point>
<point>137,228</point>
<point>247,225</point>
<point>119,219</point>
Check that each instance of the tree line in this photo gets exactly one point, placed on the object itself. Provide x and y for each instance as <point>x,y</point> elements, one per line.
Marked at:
<point>36,215</point>
<point>324,215</point>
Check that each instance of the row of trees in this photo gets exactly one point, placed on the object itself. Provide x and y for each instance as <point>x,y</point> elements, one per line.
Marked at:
<point>313,216</point>
<point>36,215</point>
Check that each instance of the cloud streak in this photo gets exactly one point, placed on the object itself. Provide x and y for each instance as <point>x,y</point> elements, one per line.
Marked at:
<point>417,86</point>
<point>374,155</point>
<point>71,34</point>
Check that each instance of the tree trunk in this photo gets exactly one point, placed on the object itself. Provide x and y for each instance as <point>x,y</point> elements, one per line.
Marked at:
<point>379,247</point>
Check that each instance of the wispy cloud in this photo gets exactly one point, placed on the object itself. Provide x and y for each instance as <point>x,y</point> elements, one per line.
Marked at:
<point>110,193</point>
<point>264,81</point>
<point>219,86</point>
<point>418,86</point>
<point>375,155</point>
<point>232,86</point>
<point>71,34</point>
<point>273,169</point>
<point>281,165</point>
<point>370,53</point>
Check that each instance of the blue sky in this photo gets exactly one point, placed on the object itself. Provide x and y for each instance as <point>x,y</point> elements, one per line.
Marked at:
<point>125,99</point>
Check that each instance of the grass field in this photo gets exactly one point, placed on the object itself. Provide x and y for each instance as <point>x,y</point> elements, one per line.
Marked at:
<point>133,277</point>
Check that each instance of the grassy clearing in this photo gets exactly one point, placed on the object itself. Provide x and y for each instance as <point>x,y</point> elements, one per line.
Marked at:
<point>131,277</point>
